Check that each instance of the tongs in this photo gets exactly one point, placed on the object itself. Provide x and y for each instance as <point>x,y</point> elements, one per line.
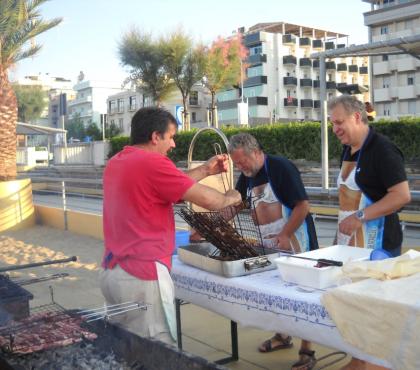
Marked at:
<point>107,312</point>
<point>323,262</point>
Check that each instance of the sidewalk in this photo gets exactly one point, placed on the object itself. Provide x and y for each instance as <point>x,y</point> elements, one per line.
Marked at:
<point>204,333</point>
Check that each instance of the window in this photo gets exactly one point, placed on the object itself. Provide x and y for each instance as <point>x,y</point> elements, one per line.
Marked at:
<point>386,82</point>
<point>121,123</point>
<point>410,79</point>
<point>408,24</point>
<point>132,102</point>
<point>255,50</point>
<point>384,30</point>
<point>194,98</point>
<point>388,3</point>
<point>412,107</point>
<point>120,105</point>
<point>384,58</point>
<point>193,116</point>
<point>112,106</point>
<point>387,109</point>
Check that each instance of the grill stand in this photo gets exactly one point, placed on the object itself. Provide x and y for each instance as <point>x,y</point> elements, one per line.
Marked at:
<point>233,335</point>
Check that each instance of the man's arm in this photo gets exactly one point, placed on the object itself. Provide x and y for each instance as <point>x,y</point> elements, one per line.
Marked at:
<point>217,164</point>
<point>397,197</point>
<point>211,199</point>
<point>299,213</point>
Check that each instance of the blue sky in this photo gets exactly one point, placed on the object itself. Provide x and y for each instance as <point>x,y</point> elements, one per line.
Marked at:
<point>87,38</point>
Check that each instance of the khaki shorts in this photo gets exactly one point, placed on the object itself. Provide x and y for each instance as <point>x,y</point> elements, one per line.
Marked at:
<point>118,286</point>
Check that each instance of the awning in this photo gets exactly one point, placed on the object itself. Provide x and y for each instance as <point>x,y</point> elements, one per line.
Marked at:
<point>28,129</point>
<point>401,45</point>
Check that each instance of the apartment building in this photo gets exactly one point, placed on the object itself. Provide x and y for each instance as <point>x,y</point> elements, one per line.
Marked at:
<point>282,81</point>
<point>91,100</point>
<point>395,78</point>
<point>122,106</point>
<point>53,86</point>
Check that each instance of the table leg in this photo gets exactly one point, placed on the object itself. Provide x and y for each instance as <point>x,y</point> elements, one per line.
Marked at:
<point>235,347</point>
<point>178,322</point>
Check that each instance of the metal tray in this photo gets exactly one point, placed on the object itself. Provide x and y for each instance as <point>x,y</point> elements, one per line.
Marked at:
<point>197,255</point>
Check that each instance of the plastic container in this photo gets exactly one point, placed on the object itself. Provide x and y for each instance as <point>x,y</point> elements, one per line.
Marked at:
<point>182,238</point>
<point>304,272</point>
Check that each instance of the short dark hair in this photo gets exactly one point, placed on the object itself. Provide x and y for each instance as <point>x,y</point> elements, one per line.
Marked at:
<point>148,120</point>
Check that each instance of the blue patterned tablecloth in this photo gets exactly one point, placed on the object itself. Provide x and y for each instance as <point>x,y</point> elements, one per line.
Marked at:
<point>262,301</point>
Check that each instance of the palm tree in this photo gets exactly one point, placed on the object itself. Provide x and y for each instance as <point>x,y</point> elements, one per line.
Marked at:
<point>20,22</point>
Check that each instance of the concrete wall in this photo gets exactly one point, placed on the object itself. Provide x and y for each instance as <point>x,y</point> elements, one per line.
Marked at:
<point>16,205</point>
<point>95,153</point>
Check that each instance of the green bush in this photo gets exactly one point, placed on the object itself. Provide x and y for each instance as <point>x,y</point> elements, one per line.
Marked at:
<point>294,140</point>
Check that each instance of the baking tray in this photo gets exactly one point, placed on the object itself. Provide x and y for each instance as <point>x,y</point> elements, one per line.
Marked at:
<point>197,255</point>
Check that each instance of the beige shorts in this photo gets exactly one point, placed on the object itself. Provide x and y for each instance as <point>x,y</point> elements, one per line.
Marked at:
<point>118,286</point>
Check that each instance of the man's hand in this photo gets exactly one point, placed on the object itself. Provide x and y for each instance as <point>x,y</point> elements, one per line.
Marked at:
<point>349,225</point>
<point>284,242</point>
<point>217,164</point>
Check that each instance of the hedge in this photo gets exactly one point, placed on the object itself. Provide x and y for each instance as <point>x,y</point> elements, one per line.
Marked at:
<point>294,140</point>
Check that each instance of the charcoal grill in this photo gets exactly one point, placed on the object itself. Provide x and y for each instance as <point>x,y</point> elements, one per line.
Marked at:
<point>136,352</point>
<point>14,300</point>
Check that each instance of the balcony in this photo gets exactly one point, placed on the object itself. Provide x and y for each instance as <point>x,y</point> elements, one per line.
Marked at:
<point>304,42</point>
<point>290,102</point>
<point>289,81</point>
<point>342,67</point>
<point>289,59</point>
<point>254,38</point>
<point>258,100</point>
<point>353,68</point>
<point>289,39</point>
<point>317,104</point>
<point>330,65</point>
<point>317,44</point>
<point>305,62</point>
<point>257,59</point>
<point>382,95</point>
<point>306,103</point>
<point>331,85</point>
<point>363,70</point>
<point>255,81</point>
<point>316,84</point>
<point>305,82</point>
<point>315,63</point>
<point>329,45</point>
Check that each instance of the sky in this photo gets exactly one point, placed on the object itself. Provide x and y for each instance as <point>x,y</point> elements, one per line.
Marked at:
<point>87,39</point>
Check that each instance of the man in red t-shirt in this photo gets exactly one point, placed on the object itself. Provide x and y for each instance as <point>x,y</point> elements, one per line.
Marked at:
<point>140,186</point>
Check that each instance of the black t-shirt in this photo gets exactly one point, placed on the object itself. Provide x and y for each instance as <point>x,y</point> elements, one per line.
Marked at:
<point>287,186</point>
<point>381,166</point>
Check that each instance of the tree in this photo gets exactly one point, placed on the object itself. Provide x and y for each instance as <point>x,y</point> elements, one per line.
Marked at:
<point>75,128</point>
<point>145,56</point>
<point>31,102</point>
<point>93,131</point>
<point>184,64</point>
<point>112,130</point>
<point>223,66</point>
<point>20,22</point>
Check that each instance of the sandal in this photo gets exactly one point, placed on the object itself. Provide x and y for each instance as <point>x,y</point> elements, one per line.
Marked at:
<point>267,346</point>
<point>307,360</point>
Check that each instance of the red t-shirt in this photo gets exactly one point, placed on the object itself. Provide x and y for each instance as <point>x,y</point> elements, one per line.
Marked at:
<point>140,188</point>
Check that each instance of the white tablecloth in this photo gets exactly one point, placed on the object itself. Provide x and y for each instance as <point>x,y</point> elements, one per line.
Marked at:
<point>263,301</point>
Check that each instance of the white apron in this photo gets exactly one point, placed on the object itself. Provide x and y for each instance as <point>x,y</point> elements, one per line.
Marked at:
<point>167,295</point>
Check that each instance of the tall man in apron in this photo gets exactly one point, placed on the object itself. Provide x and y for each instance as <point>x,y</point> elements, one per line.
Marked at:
<point>140,186</point>
<point>279,203</point>
<point>372,184</point>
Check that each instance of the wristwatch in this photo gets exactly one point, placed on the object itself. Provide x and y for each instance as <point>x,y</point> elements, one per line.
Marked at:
<point>360,215</point>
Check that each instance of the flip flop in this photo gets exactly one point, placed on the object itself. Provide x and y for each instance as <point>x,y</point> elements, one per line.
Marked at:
<point>267,346</point>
